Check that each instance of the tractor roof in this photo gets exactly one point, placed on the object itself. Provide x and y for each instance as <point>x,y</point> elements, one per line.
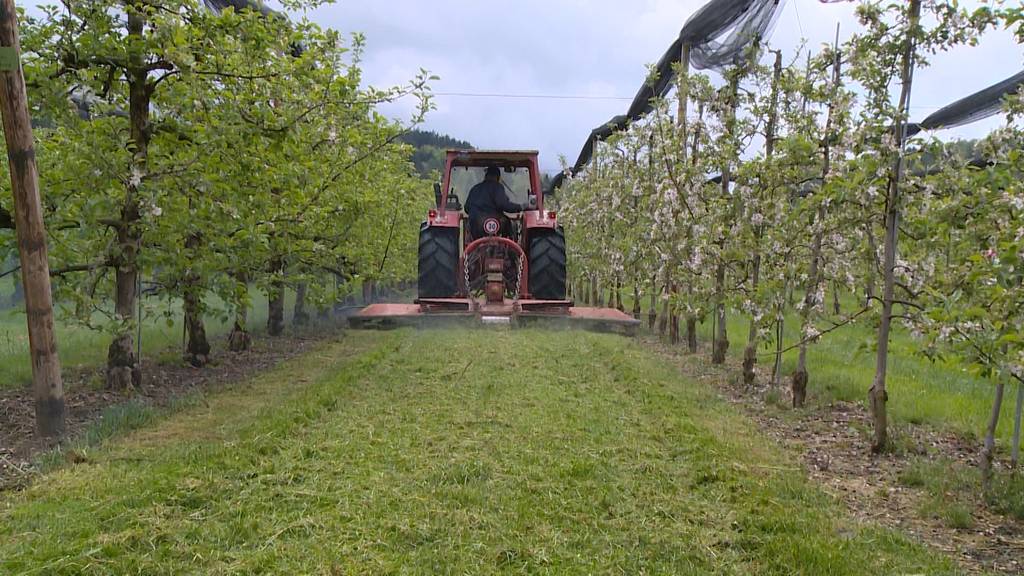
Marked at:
<point>463,157</point>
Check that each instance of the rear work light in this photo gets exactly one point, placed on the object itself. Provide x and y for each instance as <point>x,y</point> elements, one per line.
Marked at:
<point>551,215</point>
<point>431,214</point>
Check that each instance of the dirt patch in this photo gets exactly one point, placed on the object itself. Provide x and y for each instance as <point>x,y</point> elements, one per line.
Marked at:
<point>833,444</point>
<point>162,384</point>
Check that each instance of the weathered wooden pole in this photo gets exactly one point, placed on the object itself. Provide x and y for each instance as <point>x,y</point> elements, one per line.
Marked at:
<point>29,229</point>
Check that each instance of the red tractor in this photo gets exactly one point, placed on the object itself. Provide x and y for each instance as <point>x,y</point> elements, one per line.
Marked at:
<point>512,270</point>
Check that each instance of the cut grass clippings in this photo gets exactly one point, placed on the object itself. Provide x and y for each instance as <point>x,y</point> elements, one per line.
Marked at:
<point>471,452</point>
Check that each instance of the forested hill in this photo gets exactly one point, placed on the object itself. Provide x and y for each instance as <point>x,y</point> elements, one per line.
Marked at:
<point>430,147</point>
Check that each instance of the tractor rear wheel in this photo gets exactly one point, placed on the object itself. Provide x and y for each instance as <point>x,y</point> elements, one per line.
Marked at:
<point>547,264</point>
<point>438,262</point>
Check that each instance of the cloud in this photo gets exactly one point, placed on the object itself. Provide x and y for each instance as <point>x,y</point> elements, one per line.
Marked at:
<point>592,48</point>
<point>589,48</point>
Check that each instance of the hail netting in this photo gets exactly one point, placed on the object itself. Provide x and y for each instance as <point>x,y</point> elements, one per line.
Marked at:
<point>977,106</point>
<point>239,5</point>
<point>721,31</point>
<point>717,35</point>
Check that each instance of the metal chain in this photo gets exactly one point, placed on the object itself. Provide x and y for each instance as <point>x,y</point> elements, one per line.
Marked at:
<point>469,292</point>
<point>519,277</point>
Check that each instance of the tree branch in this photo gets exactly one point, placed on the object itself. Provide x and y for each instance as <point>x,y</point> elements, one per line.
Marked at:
<point>835,326</point>
<point>79,268</point>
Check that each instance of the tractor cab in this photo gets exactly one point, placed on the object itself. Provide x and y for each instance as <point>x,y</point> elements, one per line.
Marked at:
<point>515,184</point>
<point>519,182</point>
<point>460,258</point>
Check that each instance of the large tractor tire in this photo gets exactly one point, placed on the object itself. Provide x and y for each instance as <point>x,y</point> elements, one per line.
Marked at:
<point>438,262</point>
<point>547,264</point>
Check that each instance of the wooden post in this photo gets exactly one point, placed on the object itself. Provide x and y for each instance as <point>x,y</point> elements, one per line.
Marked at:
<point>31,234</point>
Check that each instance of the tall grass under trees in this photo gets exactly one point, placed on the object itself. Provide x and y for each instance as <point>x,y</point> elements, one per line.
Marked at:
<point>842,200</point>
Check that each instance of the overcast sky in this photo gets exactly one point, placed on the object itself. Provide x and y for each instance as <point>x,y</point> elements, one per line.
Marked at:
<point>596,48</point>
<point>592,48</point>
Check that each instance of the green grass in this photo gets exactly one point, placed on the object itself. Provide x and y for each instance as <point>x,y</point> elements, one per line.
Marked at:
<point>954,490</point>
<point>842,365</point>
<point>82,348</point>
<point>457,452</point>
<point>951,490</point>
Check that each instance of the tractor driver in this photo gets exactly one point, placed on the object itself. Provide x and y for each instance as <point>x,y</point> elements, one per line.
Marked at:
<point>489,200</point>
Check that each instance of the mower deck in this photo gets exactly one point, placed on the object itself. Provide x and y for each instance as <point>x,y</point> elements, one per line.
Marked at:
<point>435,312</point>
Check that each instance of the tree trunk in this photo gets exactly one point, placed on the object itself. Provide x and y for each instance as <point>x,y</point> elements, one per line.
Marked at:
<point>652,310</point>
<point>878,395</point>
<point>780,330</point>
<point>800,378</point>
<point>1015,454</point>
<point>636,298</point>
<point>673,318</point>
<point>275,304</point>
<point>750,356</point>
<point>47,384</point>
<point>197,349</point>
<point>869,288</point>
<point>989,449</point>
<point>123,369</point>
<point>663,319</point>
<point>721,343</point>
<point>367,292</point>
<point>275,298</point>
<point>836,307</point>
<point>721,338</point>
<point>750,352</point>
<point>691,334</point>
<point>301,316</point>
<point>800,375</point>
<point>240,340</point>
<point>811,299</point>
<point>197,352</point>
